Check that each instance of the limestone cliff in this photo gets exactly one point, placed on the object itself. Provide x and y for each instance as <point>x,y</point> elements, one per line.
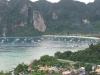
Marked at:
<point>38,21</point>
<point>20,18</point>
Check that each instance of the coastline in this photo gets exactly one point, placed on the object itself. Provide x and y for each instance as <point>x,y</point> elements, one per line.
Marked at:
<point>71,36</point>
<point>44,48</point>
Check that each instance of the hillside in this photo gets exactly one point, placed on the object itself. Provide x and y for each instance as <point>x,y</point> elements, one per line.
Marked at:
<point>71,17</point>
<point>26,18</point>
<point>89,55</point>
<point>20,18</point>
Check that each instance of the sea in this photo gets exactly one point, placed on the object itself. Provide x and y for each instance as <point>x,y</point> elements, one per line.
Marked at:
<point>17,50</point>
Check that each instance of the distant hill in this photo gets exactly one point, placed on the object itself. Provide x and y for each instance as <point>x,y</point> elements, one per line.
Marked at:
<point>26,18</point>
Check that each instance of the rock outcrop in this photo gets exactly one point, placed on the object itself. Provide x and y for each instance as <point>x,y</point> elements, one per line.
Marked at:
<point>20,15</point>
<point>38,21</point>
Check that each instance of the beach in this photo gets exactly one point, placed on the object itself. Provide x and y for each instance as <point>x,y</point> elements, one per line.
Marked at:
<point>88,37</point>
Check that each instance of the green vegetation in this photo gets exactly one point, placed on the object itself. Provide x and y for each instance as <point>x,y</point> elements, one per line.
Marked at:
<point>89,55</point>
<point>16,18</point>
<point>64,17</point>
<point>84,58</point>
<point>21,68</point>
<point>70,15</point>
<point>88,67</point>
<point>45,60</point>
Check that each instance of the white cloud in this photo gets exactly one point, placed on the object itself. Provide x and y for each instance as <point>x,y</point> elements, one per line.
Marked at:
<point>47,0</point>
<point>85,1</point>
<point>53,0</point>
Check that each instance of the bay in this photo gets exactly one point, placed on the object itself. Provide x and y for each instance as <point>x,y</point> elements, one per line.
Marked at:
<point>16,50</point>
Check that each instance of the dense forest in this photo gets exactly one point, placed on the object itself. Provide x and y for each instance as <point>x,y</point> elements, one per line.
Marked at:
<point>89,55</point>
<point>64,17</point>
<point>70,17</point>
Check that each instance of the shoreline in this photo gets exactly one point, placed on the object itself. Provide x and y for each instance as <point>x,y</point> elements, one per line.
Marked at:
<point>69,36</point>
<point>79,36</point>
<point>63,36</point>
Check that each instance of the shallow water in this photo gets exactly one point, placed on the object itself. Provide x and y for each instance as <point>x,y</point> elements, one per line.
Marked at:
<point>17,50</point>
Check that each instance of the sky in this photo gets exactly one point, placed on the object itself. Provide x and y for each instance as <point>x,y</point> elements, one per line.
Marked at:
<point>85,1</point>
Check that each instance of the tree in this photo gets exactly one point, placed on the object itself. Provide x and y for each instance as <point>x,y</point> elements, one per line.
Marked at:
<point>21,68</point>
<point>88,68</point>
<point>57,54</point>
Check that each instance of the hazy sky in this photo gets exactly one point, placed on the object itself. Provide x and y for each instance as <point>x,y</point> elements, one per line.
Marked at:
<point>86,1</point>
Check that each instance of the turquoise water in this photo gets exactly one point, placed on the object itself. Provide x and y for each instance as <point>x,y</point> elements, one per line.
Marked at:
<point>18,50</point>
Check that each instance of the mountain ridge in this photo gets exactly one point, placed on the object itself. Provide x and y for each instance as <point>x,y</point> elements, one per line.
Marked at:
<point>27,18</point>
<point>18,18</point>
<point>75,17</point>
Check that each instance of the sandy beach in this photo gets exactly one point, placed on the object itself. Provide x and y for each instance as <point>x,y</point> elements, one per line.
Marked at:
<point>73,36</point>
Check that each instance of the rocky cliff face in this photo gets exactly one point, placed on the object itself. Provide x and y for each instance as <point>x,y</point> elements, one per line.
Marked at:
<point>37,18</point>
<point>38,21</point>
<point>17,15</point>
